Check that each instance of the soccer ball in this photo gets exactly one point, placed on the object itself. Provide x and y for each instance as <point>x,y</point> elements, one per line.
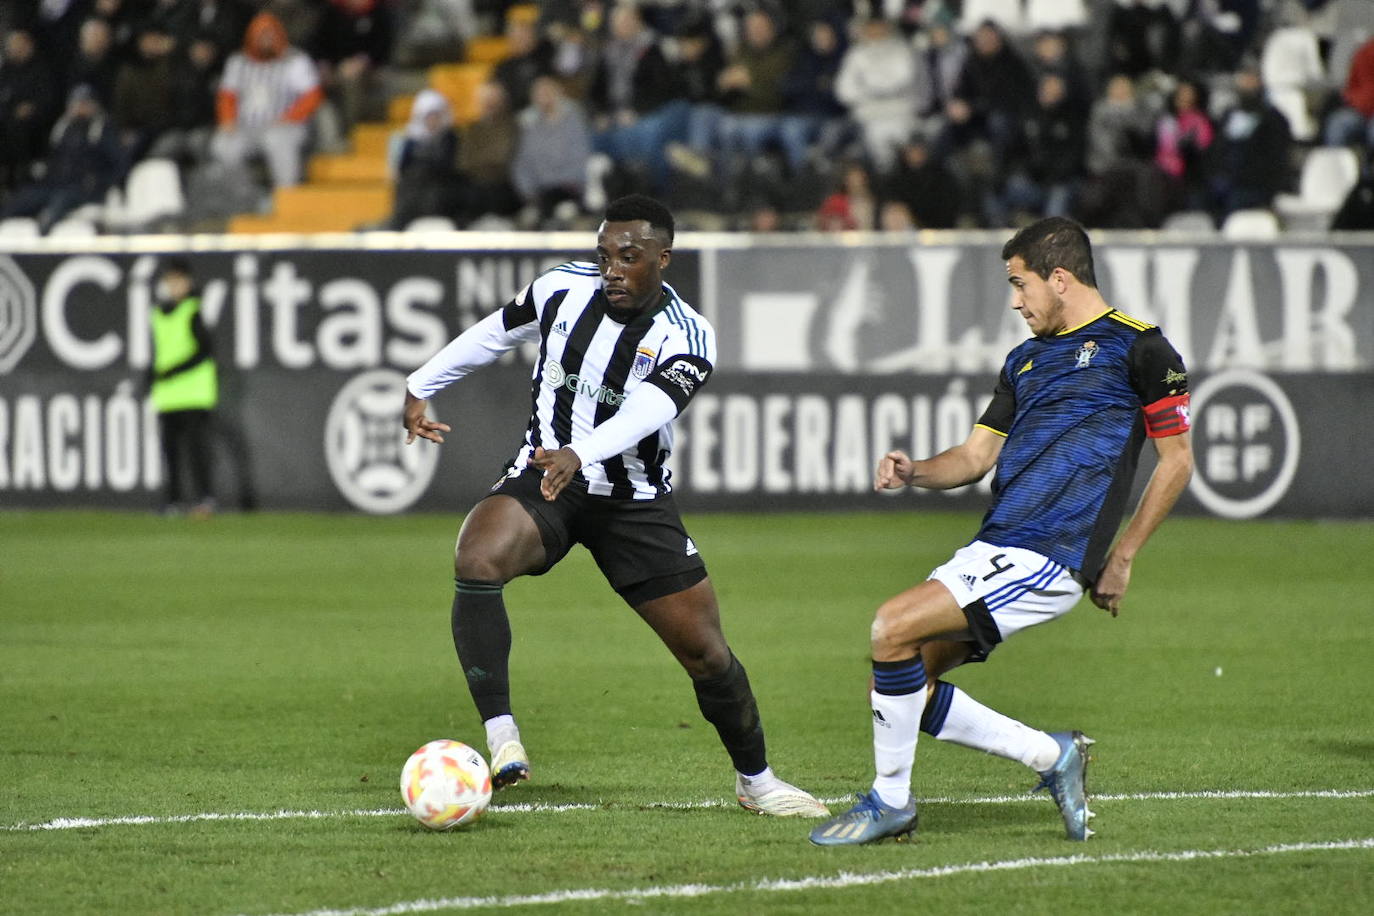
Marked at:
<point>446,784</point>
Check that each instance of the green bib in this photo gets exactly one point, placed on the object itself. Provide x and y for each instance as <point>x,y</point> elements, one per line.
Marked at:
<point>173,343</point>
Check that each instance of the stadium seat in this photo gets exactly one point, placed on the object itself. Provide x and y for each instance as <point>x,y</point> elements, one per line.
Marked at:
<point>1251,225</point>
<point>431,224</point>
<point>1328,174</point>
<point>19,227</point>
<point>73,227</point>
<point>152,193</point>
<point>1055,15</point>
<point>1006,13</point>
<point>1290,66</point>
<point>1190,221</point>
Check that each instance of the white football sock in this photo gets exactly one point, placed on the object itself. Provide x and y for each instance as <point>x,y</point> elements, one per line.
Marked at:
<point>760,779</point>
<point>896,725</point>
<point>501,729</point>
<point>971,724</point>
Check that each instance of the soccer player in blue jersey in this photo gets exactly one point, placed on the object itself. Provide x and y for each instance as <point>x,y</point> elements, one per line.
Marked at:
<point>1072,407</point>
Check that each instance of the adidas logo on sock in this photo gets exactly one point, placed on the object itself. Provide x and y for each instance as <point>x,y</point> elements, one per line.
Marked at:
<point>880,719</point>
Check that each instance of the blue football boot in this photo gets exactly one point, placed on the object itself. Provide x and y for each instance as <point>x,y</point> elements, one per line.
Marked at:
<point>1067,783</point>
<point>869,821</point>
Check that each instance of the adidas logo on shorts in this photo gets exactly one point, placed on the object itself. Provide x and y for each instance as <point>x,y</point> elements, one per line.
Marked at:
<point>691,548</point>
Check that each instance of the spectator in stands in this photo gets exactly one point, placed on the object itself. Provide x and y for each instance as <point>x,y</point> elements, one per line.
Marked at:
<point>27,105</point>
<point>550,168</point>
<point>169,17</point>
<point>1051,53</point>
<point>427,181</point>
<point>195,78</point>
<point>220,22</point>
<point>940,55</point>
<point>122,17</point>
<point>895,216</point>
<point>926,185</point>
<point>1218,33</point>
<point>636,95</point>
<point>145,91</point>
<point>352,46</point>
<point>1249,162</point>
<point>529,58</point>
<point>266,98</point>
<point>573,59</point>
<point>1142,35</point>
<point>750,89</point>
<point>82,165</point>
<point>878,83</point>
<point>1046,181</point>
<point>1120,133</point>
<point>812,114</point>
<point>852,205</point>
<point>994,94</point>
<point>435,32</point>
<point>485,150</point>
<point>1353,122</point>
<point>1183,134</point>
<point>56,26</point>
<point>94,64</point>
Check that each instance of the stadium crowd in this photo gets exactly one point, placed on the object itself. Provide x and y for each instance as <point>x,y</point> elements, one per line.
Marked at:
<point>830,114</point>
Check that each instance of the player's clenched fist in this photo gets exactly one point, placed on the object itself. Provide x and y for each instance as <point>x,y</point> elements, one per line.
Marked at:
<point>894,471</point>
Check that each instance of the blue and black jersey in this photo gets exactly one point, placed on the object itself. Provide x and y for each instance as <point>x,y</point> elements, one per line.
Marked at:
<point>1075,409</point>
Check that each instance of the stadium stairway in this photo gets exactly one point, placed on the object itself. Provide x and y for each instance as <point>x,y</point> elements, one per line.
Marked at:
<point>344,192</point>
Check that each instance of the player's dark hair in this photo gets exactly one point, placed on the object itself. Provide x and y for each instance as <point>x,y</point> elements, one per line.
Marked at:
<point>1055,241</point>
<point>634,207</point>
<point>176,265</point>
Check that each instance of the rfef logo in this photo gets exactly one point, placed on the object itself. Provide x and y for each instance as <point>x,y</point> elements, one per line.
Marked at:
<point>1247,443</point>
<point>18,314</point>
<point>364,445</point>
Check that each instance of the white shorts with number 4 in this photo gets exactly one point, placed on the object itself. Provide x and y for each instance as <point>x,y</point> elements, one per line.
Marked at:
<point>1004,590</point>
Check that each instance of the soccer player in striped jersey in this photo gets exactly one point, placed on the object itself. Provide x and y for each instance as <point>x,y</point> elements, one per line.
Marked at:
<point>620,356</point>
<point>1072,408</point>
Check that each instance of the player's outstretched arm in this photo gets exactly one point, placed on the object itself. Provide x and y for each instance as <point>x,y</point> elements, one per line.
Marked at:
<point>417,424</point>
<point>1166,484</point>
<point>964,464</point>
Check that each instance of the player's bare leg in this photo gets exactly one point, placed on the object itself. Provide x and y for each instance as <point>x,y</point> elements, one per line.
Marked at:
<point>498,541</point>
<point>688,622</point>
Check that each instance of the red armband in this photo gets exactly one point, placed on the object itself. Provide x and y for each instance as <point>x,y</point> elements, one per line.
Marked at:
<point>1167,416</point>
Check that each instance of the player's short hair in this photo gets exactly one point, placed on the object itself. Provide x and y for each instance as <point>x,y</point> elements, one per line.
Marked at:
<point>634,207</point>
<point>1055,241</point>
<point>176,265</point>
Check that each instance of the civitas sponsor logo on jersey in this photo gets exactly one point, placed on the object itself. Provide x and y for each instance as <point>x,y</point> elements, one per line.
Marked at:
<point>1247,443</point>
<point>364,445</point>
<point>555,376</point>
<point>18,314</point>
<point>686,375</point>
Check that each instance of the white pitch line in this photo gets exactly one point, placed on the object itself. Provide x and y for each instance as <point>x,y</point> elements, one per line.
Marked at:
<point>71,823</point>
<point>829,882</point>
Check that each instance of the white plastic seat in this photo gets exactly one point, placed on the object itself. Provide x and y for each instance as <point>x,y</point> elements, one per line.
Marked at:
<point>1251,225</point>
<point>1328,174</point>
<point>1055,15</point>
<point>1192,221</point>
<point>153,192</point>
<point>431,224</point>
<point>73,227</point>
<point>19,227</point>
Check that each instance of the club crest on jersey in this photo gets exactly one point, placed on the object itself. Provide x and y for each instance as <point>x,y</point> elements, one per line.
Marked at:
<point>1085,354</point>
<point>643,364</point>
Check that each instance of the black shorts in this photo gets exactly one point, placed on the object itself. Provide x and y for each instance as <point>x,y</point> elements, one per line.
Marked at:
<point>640,545</point>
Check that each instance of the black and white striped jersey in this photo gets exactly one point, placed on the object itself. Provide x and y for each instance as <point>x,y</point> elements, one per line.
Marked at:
<point>265,89</point>
<point>609,387</point>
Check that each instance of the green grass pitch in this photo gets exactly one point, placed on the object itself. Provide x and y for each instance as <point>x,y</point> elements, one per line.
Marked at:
<point>289,663</point>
